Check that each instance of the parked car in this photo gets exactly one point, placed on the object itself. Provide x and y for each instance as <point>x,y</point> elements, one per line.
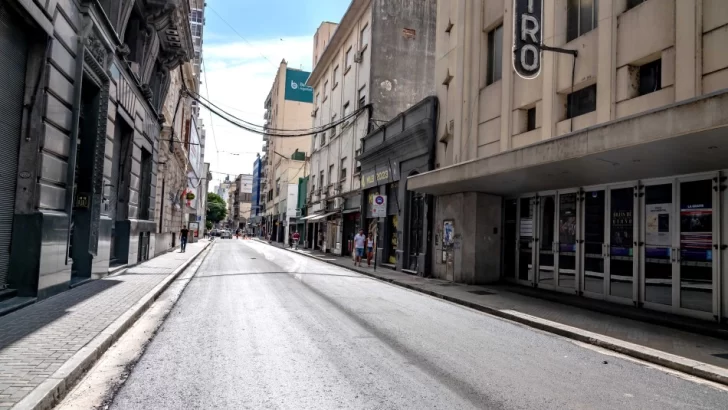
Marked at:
<point>226,234</point>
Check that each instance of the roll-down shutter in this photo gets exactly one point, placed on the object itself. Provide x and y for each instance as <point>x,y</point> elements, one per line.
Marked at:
<point>13,58</point>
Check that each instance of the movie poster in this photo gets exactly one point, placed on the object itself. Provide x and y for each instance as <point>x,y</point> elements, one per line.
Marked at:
<point>567,223</point>
<point>696,232</point>
<point>622,222</point>
<point>657,224</point>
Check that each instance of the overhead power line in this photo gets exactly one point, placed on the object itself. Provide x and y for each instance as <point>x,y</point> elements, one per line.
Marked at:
<point>241,36</point>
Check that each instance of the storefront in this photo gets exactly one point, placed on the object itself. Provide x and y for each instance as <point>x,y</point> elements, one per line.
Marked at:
<point>403,146</point>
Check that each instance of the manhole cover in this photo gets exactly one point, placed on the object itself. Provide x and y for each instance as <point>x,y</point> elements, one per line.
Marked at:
<point>721,355</point>
<point>481,292</point>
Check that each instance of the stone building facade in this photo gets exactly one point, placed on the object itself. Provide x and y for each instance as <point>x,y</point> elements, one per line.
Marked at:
<point>83,87</point>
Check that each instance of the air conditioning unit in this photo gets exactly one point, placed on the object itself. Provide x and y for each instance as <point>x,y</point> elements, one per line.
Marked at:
<point>339,203</point>
<point>358,56</point>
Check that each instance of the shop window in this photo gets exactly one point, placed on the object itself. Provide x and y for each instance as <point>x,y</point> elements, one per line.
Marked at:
<point>581,102</point>
<point>495,55</point>
<point>581,17</point>
<point>531,119</point>
<point>650,77</point>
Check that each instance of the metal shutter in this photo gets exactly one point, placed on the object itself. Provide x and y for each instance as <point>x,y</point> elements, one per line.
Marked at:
<point>13,58</point>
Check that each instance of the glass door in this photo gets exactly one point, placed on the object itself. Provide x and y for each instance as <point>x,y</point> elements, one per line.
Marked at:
<point>567,245</point>
<point>659,256</point>
<point>510,238</point>
<point>594,229</point>
<point>620,255</point>
<point>526,239</point>
<point>546,240</point>
<point>696,224</point>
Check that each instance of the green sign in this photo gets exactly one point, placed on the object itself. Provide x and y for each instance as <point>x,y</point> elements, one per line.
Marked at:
<point>296,88</point>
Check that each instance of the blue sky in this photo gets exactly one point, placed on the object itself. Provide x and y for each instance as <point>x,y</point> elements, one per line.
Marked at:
<point>240,72</point>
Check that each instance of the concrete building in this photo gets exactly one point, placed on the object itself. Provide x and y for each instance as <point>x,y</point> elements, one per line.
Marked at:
<point>242,201</point>
<point>82,101</point>
<point>288,107</point>
<point>257,205</point>
<point>376,64</point>
<point>197,27</point>
<point>604,175</point>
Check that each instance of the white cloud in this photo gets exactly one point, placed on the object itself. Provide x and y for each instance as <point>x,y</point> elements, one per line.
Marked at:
<point>238,79</point>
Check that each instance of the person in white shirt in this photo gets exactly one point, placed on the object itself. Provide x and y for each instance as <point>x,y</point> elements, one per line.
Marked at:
<point>359,241</point>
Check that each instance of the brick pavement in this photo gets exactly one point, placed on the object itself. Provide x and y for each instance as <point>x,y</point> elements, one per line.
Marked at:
<point>37,340</point>
<point>690,345</point>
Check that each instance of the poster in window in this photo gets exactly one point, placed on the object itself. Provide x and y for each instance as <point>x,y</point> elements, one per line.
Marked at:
<point>621,233</point>
<point>696,232</point>
<point>657,224</point>
<point>526,227</point>
<point>567,223</point>
<point>448,236</point>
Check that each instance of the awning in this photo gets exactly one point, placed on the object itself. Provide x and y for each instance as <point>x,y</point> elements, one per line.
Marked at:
<point>305,218</point>
<point>349,211</point>
<point>321,217</point>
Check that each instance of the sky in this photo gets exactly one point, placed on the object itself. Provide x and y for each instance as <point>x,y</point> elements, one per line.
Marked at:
<point>244,41</point>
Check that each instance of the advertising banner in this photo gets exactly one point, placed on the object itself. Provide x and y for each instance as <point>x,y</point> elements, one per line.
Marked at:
<point>296,88</point>
<point>657,224</point>
<point>696,232</point>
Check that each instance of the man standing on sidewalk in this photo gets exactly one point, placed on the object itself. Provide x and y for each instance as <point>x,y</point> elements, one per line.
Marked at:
<point>296,238</point>
<point>359,241</point>
<point>183,238</point>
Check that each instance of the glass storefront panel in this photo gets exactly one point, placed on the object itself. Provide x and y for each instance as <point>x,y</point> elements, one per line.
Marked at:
<point>696,245</point>
<point>546,240</point>
<point>621,250</point>
<point>658,244</point>
<point>525,242</point>
<point>594,230</point>
<point>509,238</point>
<point>567,240</point>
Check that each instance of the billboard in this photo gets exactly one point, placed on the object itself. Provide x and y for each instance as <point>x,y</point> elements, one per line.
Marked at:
<point>527,37</point>
<point>296,88</point>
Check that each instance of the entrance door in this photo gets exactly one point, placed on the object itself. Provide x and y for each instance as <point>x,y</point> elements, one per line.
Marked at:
<point>620,255</point>
<point>697,224</point>
<point>567,260</point>
<point>13,57</point>
<point>594,250</point>
<point>658,254</point>
<point>546,240</point>
<point>510,238</point>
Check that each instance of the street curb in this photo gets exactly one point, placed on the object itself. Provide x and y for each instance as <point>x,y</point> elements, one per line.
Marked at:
<point>52,390</point>
<point>671,361</point>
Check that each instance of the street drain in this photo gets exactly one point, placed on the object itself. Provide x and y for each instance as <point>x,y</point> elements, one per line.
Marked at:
<point>721,355</point>
<point>481,292</point>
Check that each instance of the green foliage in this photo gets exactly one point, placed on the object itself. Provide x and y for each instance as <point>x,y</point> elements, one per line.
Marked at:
<point>216,208</point>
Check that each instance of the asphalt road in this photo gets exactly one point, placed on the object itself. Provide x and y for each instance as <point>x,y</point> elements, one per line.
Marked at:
<point>260,327</point>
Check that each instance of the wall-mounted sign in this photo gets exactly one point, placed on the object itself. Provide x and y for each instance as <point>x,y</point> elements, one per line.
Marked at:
<point>527,37</point>
<point>82,200</point>
<point>379,206</point>
<point>296,88</point>
<point>380,175</point>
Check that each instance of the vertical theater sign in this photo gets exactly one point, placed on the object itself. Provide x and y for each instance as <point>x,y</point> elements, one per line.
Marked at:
<point>527,37</point>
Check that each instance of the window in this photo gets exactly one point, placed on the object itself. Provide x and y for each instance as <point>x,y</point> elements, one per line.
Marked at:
<point>362,97</point>
<point>349,58</point>
<point>278,186</point>
<point>321,179</point>
<point>364,37</point>
<point>650,77</point>
<point>323,139</point>
<point>336,77</point>
<point>335,129</point>
<point>343,169</point>
<point>581,17</point>
<point>326,86</point>
<point>317,102</point>
<point>347,111</point>
<point>581,102</point>
<point>495,55</point>
<point>331,174</point>
<point>634,3</point>
<point>531,119</point>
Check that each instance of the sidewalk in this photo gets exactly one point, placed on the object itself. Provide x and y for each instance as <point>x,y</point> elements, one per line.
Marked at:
<point>686,351</point>
<point>44,347</point>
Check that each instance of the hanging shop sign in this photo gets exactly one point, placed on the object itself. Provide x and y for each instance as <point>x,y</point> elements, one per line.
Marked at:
<point>527,37</point>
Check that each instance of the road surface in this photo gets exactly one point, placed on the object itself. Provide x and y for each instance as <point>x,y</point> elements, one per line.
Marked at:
<point>260,327</point>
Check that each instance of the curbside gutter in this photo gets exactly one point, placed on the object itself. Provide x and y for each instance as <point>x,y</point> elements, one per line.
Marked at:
<point>51,391</point>
<point>671,361</point>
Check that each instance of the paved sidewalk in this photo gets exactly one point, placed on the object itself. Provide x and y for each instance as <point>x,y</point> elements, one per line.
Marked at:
<point>38,340</point>
<point>499,300</point>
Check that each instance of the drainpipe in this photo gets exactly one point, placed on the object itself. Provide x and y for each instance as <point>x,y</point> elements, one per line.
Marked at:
<point>75,119</point>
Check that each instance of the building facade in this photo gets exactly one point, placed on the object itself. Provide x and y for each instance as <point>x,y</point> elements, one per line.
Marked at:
<point>604,173</point>
<point>377,63</point>
<point>82,96</point>
<point>402,147</point>
<point>256,206</point>
<point>288,107</point>
<point>242,201</point>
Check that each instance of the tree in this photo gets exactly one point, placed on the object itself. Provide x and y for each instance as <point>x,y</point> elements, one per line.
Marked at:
<point>216,208</point>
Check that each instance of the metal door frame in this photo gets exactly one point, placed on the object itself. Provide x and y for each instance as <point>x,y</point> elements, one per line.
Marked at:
<point>605,240</point>
<point>532,197</point>
<point>557,244</point>
<point>538,235</point>
<point>608,241</point>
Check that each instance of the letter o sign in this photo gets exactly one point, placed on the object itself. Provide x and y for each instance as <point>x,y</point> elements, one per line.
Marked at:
<point>527,37</point>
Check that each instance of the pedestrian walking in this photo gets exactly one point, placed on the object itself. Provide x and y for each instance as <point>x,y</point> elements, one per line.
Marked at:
<point>359,241</point>
<point>370,249</point>
<point>183,238</point>
<point>296,238</point>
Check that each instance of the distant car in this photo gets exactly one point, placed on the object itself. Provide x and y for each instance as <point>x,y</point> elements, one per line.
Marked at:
<point>226,235</point>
